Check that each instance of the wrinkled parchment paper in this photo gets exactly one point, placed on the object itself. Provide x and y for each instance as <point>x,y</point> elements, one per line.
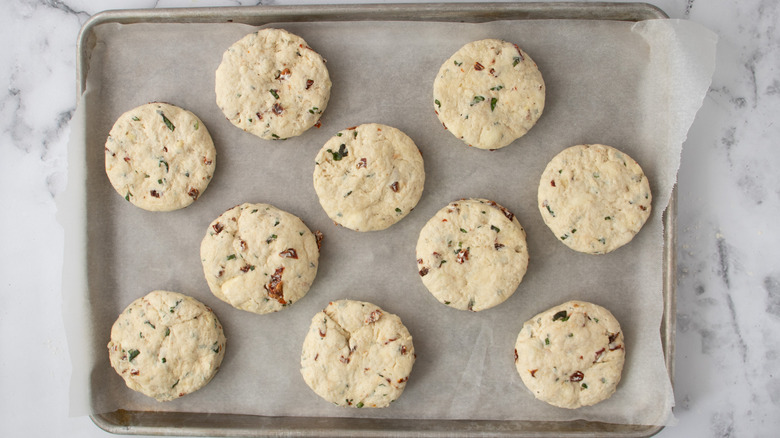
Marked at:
<point>633,86</point>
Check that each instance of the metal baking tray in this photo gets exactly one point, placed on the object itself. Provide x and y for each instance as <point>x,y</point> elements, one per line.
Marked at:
<point>200,424</point>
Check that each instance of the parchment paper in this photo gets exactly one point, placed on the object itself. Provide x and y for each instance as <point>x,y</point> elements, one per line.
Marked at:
<point>635,87</point>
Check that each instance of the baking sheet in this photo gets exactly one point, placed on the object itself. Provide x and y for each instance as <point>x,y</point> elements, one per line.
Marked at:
<point>607,82</point>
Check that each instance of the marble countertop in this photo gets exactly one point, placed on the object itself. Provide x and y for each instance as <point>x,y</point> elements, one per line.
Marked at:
<point>728,298</point>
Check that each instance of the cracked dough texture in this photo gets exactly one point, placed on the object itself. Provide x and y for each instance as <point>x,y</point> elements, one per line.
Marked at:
<point>356,354</point>
<point>489,93</point>
<point>571,355</point>
<point>594,198</point>
<point>472,254</point>
<point>166,345</point>
<point>272,84</point>
<point>259,258</point>
<point>369,177</point>
<point>159,157</point>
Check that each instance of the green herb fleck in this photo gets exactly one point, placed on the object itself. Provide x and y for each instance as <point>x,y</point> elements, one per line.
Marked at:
<point>493,101</point>
<point>573,230</point>
<point>584,386</point>
<point>442,262</point>
<point>133,354</point>
<point>166,165</point>
<point>458,63</point>
<point>497,87</point>
<point>127,196</point>
<point>275,136</point>
<point>271,238</point>
<point>159,181</point>
<point>436,101</point>
<point>348,193</point>
<point>166,121</point>
<point>215,347</point>
<point>150,324</point>
<point>571,335</point>
<point>595,174</point>
<point>603,241</point>
<point>163,360</point>
<point>397,210</point>
<point>447,303</point>
<point>231,257</point>
<point>495,228</point>
<point>167,331</point>
<point>477,99</point>
<point>564,237</point>
<point>197,125</point>
<point>339,134</point>
<point>274,93</point>
<point>136,119</point>
<point>516,60</point>
<point>360,404</point>
<point>276,223</point>
<point>253,211</point>
<point>175,305</point>
<point>549,210</point>
<point>561,315</point>
<point>314,110</point>
<point>175,383</point>
<point>608,218</point>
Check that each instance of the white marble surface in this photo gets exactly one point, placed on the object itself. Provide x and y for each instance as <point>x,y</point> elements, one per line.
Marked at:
<point>728,299</point>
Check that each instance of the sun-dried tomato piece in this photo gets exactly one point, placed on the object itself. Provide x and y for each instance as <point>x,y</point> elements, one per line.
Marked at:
<point>247,268</point>
<point>394,186</point>
<point>403,349</point>
<point>552,182</point>
<point>613,336</point>
<point>275,286</point>
<point>218,227</point>
<point>516,357</point>
<point>462,256</point>
<point>509,215</point>
<point>373,316</point>
<point>361,163</point>
<point>277,109</point>
<point>318,237</point>
<point>423,272</point>
<point>259,116</point>
<point>206,161</point>
<point>155,193</point>
<point>577,376</point>
<point>533,372</point>
<point>289,253</point>
<point>599,354</point>
<point>194,193</point>
<point>478,66</point>
<point>309,83</point>
<point>498,245</point>
<point>284,74</point>
<point>127,159</point>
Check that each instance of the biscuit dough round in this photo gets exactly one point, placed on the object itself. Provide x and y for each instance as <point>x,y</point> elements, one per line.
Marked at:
<point>489,93</point>
<point>472,254</point>
<point>159,157</point>
<point>594,198</point>
<point>272,84</point>
<point>369,177</point>
<point>571,355</point>
<point>356,354</point>
<point>259,258</point>
<point>166,345</point>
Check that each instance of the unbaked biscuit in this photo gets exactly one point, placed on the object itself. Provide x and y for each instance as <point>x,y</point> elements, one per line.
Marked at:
<point>356,354</point>
<point>594,198</point>
<point>472,254</point>
<point>159,157</point>
<point>259,258</point>
<point>369,177</point>
<point>272,84</point>
<point>489,93</point>
<point>166,345</point>
<point>571,355</point>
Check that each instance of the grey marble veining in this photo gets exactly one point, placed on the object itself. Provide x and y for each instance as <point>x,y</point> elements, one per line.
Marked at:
<point>728,300</point>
